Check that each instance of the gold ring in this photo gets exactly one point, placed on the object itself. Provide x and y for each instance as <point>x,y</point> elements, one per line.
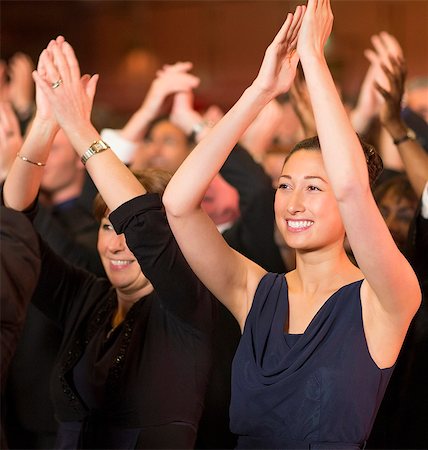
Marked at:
<point>56,84</point>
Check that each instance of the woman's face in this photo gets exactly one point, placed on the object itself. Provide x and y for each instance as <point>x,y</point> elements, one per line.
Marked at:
<point>398,212</point>
<point>120,265</point>
<point>306,211</point>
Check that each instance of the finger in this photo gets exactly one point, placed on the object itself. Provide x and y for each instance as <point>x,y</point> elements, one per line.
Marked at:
<point>61,63</point>
<point>91,86</point>
<point>312,5</point>
<point>178,66</point>
<point>383,92</point>
<point>295,24</point>
<point>41,67</point>
<point>399,74</point>
<point>72,62</point>
<point>282,33</point>
<point>298,24</point>
<point>46,57</point>
<point>380,48</point>
<point>372,56</point>
<point>391,44</point>
<point>44,85</point>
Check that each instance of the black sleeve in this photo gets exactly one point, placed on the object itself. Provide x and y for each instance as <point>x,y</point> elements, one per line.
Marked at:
<point>19,272</point>
<point>253,233</point>
<point>69,247</point>
<point>65,293</point>
<point>148,236</point>
<point>62,289</point>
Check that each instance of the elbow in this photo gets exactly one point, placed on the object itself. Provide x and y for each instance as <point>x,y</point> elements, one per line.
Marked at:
<point>350,191</point>
<point>169,204</point>
<point>174,205</point>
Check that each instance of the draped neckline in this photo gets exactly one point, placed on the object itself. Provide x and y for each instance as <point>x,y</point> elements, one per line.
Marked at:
<point>283,312</point>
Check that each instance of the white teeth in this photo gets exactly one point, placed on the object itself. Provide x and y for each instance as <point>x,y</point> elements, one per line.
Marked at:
<point>117,262</point>
<point>299,223</point>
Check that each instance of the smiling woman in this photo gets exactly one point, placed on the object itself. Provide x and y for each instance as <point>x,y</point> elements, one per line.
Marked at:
<point>135,354</point>
<point>319,343</point>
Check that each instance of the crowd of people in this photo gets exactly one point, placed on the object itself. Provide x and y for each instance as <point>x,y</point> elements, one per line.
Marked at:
<point>202,279</point>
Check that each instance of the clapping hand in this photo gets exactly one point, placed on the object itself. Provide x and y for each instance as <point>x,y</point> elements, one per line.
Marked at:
<point>279,65</point>
<point>70,95</point>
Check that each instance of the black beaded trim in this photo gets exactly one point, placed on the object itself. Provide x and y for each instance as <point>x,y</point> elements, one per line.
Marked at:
<point>78,347</point>
<point>119,360</point>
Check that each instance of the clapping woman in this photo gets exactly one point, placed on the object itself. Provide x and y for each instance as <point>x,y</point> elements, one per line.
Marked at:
<point>318,344</point>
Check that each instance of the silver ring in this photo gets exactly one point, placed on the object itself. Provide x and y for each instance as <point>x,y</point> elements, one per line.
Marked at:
<point>56,84</point>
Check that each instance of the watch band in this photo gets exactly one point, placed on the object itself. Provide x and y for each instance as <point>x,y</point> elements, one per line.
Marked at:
<point>94,148</point>
<point>408,136</point>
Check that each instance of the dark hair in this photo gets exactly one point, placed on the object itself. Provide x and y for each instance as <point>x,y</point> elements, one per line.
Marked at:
<point>400,186</point>
<point>374,161</point>
<point>153,180</point>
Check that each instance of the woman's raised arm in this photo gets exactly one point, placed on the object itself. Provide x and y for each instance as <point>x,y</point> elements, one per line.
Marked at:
<point>393,292</point>
<point>229,275</point>
<point>71,103</point>
<point>24,177</point>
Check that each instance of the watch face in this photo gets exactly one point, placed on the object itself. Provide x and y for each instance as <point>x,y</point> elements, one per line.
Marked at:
<point>99,145</point>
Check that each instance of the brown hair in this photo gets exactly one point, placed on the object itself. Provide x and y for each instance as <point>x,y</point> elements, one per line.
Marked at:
<point>153,180</point>
<point>374,161</point>
<point>400,186</point>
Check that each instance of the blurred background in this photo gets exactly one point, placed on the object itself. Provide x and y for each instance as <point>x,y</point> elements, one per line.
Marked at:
<point>127,41</point>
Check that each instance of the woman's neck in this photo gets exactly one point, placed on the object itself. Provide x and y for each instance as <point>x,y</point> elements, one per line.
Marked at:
<point>126,300</point>
<point>323,269</point>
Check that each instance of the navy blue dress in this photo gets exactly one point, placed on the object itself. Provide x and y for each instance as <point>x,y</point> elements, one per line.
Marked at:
<point>318,390</point>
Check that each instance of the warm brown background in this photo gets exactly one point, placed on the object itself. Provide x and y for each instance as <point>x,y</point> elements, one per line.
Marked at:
<point>125,41</point>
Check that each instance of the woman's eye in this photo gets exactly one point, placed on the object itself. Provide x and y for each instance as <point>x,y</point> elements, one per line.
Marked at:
<point>313,188</point>
<point>107,227</point>
<point>284,186</point>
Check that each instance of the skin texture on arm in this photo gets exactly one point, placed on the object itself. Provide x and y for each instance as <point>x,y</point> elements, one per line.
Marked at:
<point>231,277</point>
<point>391,295</point>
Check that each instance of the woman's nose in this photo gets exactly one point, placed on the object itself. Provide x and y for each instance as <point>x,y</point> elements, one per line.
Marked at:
<point>117,243</point>
<point>295,203</point>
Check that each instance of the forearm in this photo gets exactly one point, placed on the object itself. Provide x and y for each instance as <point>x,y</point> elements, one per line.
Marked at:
<point>135,129</point>
<point>23,180</point>
<point>113,179</point>
<point>361,120</point>
<point>342,154</point>
<point>207,158</point>
<point>414,157</point>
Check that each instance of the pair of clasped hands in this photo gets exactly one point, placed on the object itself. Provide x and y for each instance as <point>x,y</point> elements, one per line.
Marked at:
<point>64,98</point>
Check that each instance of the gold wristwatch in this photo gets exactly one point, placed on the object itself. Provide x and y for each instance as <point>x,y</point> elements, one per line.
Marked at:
<point>94,148</point>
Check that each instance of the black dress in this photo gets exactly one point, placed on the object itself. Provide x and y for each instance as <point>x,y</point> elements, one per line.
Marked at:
<point>143,385</point>
<point>317,390</point>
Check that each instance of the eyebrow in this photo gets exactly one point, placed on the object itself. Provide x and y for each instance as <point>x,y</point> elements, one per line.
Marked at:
<point>308,177</point>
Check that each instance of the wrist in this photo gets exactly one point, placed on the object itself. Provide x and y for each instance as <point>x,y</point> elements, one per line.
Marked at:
<point>258,93</point>
<point>199,130</point>
<point>81,137</point>
<point>44,125</point>
<point>312,57</point>
<point>396,129</point>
